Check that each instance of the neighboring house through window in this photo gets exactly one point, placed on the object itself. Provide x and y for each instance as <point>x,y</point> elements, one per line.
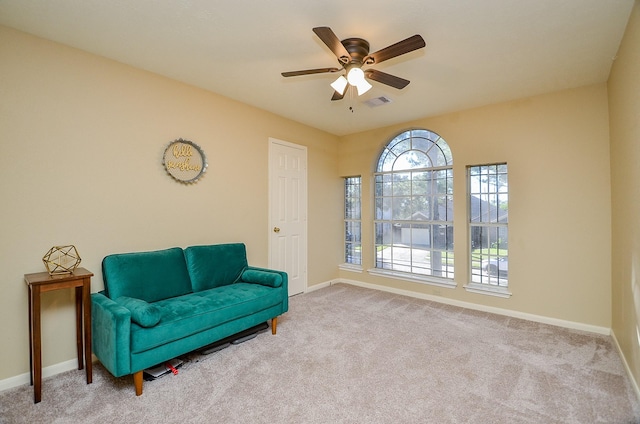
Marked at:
<point>414,208</point>
<point>488,188</point>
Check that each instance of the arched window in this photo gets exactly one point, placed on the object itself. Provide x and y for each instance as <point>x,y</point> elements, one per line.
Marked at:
<point>414,206</point>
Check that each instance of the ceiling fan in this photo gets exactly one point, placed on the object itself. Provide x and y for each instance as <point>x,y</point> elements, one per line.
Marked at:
<point>353,54</point>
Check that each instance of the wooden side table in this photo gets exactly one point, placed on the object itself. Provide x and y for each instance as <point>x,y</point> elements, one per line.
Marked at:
<point>42,282</point>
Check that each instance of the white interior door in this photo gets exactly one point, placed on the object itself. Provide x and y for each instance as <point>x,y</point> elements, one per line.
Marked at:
<point>288,212</point>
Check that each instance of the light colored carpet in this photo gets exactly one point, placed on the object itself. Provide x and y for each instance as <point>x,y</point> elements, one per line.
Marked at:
<point>345,354</point>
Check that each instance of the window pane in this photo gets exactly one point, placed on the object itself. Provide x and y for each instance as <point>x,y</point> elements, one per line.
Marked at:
<point>448,239</point>
<point>353,254</point>
<point>401,184</point>
<point>444,181</point>
<point>420,236</point>
<point>443,208</point>
<point>503,207</point>
<point>412,159</point>
<point>420,143</point>
<point>420,208</point>
<point>422,187</point>
<point>387,186</point>
<point>436,156</point>
<point>400,146</point>
<point>446,153</point>
<point>423,135</point>
<point>396,140</point>
<point>401,208</point>
<point>352,231</point>
<point>378,208</point>
<point>421,176</point>
<point>388,160</point>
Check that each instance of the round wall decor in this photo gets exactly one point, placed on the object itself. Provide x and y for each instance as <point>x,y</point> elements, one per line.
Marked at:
<point>184,160</point>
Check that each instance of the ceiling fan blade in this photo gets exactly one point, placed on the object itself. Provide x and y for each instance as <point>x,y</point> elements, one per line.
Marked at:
<point>401,47</point>
<point>387,79</point>
<point>309,72</point>
<point>337,96</point>
<point>329,38</point>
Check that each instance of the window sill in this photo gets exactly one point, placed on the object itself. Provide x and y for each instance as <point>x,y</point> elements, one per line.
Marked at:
<point>350,267</point>
<point>488,290</point>
<point>433,281</point>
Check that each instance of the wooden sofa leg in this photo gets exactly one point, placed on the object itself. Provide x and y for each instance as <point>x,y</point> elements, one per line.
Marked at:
<point>137,382</point>
<point>274,324</point>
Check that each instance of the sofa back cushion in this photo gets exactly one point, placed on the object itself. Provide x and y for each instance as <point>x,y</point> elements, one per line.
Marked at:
<point>150,276</point>
<point>215,265</point>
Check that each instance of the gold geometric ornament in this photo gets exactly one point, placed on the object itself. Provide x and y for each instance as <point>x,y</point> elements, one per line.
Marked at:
<point>61,260</point>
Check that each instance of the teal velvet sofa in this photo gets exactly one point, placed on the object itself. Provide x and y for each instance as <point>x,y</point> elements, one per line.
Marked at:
<point>158,305</point>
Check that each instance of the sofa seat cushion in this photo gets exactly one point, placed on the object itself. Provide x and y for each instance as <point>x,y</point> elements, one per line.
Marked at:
<point>195,312</point>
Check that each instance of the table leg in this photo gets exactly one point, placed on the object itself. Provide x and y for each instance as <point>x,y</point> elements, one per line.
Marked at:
<point>86,297</point>
<point>30,301</point>
<point>79,332</point>
<point>36,345</point>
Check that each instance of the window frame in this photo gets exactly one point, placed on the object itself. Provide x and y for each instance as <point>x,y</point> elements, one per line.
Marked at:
<point>488,223</point>
<point>433,158</point>
<point>352,218</point>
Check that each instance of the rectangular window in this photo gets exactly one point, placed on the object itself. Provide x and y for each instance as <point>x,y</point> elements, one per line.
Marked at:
<point>352,220</point>
<point>488,188</point>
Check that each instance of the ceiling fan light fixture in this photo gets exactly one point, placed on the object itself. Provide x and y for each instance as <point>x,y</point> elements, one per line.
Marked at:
<point>340,85</point>
<point>363,86</point>
<point>355,76</point>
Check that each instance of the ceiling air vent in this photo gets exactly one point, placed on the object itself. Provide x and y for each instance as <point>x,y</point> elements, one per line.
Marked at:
<point>378,101</point>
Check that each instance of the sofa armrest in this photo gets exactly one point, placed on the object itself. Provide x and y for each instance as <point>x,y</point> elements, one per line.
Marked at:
<point>261,276</point>
<point>143,313</point>
<point>111,333</point>
<point>264,273</point>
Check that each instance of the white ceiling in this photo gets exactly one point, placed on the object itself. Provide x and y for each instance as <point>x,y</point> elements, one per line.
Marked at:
<point>478,51</point>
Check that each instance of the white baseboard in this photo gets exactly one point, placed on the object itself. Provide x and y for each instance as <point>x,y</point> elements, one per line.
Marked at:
<point>499,311</point>
<point>49,371</point>
<point>634,383</point>
<point>321,285</point>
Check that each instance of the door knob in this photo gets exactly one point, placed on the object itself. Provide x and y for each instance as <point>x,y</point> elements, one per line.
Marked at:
<point>276,229</point>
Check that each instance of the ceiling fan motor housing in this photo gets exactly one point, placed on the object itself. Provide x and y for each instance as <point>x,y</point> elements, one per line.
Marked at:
<point>358,48</point>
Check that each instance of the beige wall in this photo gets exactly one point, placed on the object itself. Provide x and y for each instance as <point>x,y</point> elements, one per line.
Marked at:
<point>557,150</point>
<point>82,140</point>
<point>624,101</point>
